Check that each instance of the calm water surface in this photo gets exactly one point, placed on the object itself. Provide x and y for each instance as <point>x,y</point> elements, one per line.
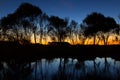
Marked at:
<point>61,69</point>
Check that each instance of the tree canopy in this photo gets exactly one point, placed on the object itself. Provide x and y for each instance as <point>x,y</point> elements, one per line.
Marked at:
<point>97,22</point>
<point>58,26</point>
<point>28,20</point>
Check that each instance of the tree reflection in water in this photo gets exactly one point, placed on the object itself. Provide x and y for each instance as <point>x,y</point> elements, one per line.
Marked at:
<point>15,71</point>
<point>61,69</point>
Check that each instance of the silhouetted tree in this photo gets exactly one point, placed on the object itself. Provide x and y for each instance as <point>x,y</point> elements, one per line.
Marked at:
<point>34,31</point>
<point>29,12</point>
<point>110,26</point>
<point>25,16</point>
<point>117,31</point>
<point>0,31</point>
<point>72,28</point>
<point>10,23</point>
<point>81,36</point>
<point>96,22</point>
<point>43,25</point>
<point>26,26</point>
<point>57,28</point>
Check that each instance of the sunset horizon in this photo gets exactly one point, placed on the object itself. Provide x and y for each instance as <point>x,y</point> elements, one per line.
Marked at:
<point>59,40</point>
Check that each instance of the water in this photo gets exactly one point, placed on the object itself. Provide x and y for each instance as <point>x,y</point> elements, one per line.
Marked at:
<point>61,69</point>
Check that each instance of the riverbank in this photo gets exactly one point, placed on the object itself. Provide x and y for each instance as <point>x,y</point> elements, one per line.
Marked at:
<point>12,50</point>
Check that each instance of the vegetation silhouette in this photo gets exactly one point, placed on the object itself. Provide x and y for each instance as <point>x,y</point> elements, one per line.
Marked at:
<point>73,31</point>
<point>58,28</point>
<point>17,29</point>
<point>22,21</point>
<point>44,18</point>
<point>98,23</point>
<point>29,20</point>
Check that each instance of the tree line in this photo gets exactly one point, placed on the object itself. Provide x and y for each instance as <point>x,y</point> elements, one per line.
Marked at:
<point>30,21</point>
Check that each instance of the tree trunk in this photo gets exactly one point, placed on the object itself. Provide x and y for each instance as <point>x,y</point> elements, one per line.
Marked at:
<point>106,40</point>
<point>41,35</point>
<point>60,39</point>
<point>34,37</point>
<point>94,40</point>
<point>41,30</point>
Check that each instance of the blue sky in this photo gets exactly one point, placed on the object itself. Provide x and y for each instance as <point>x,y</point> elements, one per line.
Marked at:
<point>73,9</point>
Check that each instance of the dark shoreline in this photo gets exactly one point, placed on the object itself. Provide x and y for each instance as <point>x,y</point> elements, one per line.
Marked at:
<point>35,51</point>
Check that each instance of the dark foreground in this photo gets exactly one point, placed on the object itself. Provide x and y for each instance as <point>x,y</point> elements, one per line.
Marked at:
<point>61,69</point>
<point>63,62</point>
<point>12,50</point>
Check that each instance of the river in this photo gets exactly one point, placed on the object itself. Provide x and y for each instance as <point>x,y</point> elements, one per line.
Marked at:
<point>61,69</point>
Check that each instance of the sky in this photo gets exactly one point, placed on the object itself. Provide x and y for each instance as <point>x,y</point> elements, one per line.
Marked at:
<point>73,9</point>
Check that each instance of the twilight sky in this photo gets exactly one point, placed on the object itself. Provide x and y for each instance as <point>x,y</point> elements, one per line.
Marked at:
<point>74,9</point>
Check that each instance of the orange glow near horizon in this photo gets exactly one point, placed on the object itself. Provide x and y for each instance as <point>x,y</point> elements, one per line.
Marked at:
<point>88,41</point>
<point>44,40</point>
